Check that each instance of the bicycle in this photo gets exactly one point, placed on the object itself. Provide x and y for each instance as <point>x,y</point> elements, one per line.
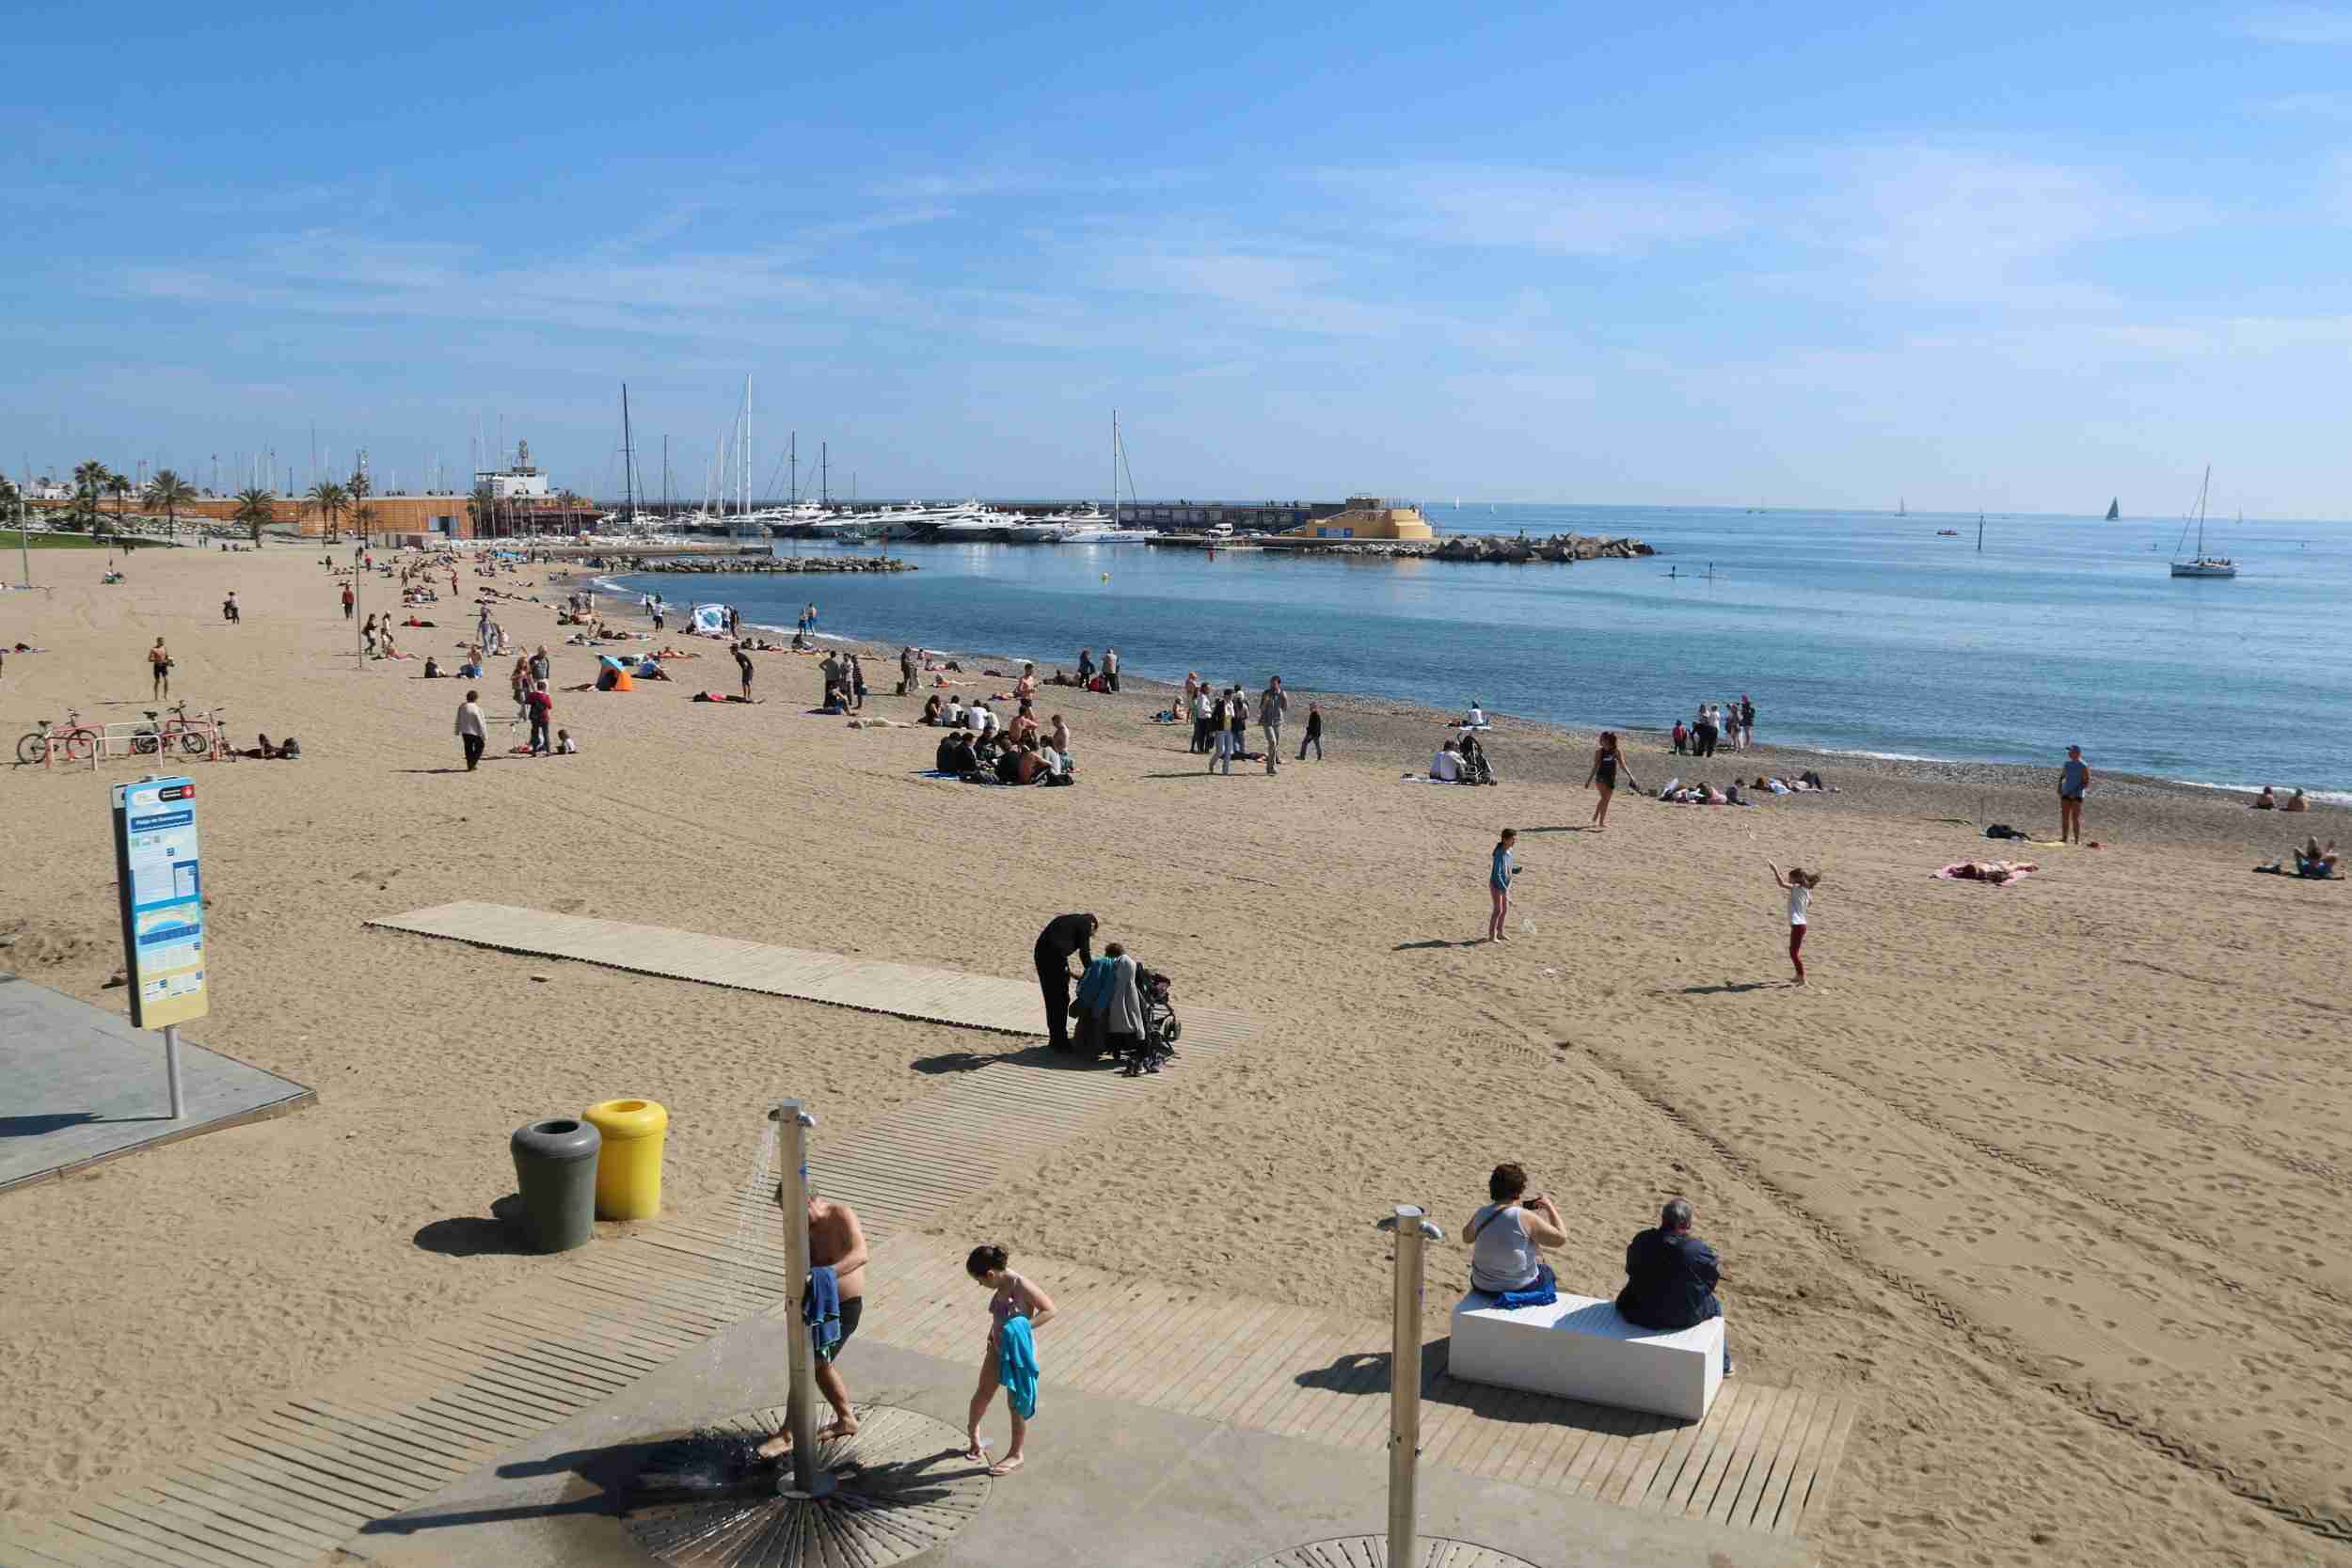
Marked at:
<point>196,736</point>
<point>75,739</point>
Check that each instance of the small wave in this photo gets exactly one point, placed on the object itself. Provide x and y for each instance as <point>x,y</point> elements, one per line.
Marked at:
<point>1880,756</point>
<point>2324,797</point>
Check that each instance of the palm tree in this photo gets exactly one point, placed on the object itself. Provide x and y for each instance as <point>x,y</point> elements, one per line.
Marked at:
<point>364,518</point>
<point>330,498</point>
<point>118,487</point>
<point>483,506</point>
<point>255,508</point>
<point>89,483</point>
<point>170,492</point>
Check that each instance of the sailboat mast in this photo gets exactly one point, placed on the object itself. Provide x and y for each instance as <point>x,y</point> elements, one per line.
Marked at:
<point>796,468</point>
<point>1114,468</point>
<point>824,473</point>
<point>628,460</point>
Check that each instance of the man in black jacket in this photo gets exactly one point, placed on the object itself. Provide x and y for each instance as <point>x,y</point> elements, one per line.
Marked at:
<point>1063,935</point>
<point>1670,1276</point>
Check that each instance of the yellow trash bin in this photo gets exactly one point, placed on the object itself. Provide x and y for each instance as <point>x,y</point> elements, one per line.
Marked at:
<point>629,1167</point>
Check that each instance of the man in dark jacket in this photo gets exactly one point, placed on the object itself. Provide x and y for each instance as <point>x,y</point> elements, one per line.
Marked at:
<point>1063,935</point>
<point>1670,1276</point>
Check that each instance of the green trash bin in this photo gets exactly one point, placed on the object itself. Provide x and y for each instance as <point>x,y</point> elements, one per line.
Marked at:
<point>555,1169</point>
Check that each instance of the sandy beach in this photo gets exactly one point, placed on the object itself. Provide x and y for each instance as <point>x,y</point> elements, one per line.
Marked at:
<point>2052,1176</point>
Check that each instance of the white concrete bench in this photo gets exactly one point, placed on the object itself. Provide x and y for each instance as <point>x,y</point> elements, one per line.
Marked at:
<point>1581,1349</point>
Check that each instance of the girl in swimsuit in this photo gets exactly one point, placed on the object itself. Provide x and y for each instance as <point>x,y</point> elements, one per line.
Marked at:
<point>1010,1296</point>
<point>1603,776</point>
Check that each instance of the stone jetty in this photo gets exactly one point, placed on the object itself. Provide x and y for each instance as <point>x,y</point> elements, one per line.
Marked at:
<point>1508,551</point>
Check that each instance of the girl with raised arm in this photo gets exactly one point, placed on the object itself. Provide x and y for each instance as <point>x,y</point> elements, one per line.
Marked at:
<point>1800,884</point>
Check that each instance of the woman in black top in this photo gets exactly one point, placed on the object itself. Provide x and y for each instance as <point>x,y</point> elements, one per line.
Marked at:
<point>1315,734</point>
<point>1607,758</point>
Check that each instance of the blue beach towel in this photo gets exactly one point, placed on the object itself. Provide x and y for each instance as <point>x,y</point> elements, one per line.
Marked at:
<point>1016,1366</point>
<point>821,1308</point>
<point>1543,1292</point>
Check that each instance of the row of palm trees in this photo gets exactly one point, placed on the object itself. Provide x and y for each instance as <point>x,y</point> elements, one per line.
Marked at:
<point>257,505</point>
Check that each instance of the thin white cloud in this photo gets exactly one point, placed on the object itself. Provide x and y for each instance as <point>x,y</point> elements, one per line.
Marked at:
<point>2311,105</point>
<point>1545,210</point>
<point>2303,24</point>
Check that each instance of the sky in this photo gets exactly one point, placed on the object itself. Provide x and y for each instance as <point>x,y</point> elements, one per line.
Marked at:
<point>1985,255</point>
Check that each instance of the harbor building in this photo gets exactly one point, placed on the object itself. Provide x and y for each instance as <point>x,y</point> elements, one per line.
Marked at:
<point>1365,517</point>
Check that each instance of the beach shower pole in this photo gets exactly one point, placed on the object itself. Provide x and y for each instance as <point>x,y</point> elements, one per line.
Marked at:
<point>1413,1229</point>
<point>792,1125</point>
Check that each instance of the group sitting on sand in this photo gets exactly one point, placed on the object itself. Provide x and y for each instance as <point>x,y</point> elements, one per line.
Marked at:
<point>1001,756</point>
<point>1670,1274</point>
<point>1462,760</point>
<point>2268,800</point>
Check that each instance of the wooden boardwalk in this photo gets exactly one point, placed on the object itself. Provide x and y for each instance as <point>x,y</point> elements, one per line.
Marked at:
<point>901,991</point>
<point>286,1488</point>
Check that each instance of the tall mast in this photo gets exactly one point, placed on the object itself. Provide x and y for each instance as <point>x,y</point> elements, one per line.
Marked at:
<point>665,477</point>
<point>744,453</point>
<point>796,468</point>
<point>628,460</point>
<point>1114,468</point>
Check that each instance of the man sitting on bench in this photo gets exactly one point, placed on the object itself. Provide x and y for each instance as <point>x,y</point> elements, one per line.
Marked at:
<point>1506,1236</point>
<point>1670,1277</point>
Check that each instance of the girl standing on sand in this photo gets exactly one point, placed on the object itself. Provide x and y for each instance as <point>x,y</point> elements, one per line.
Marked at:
<point>1800,885</point>
<point>1016,1309</point>
<point>1499,875</point>
<point>1606,760</point>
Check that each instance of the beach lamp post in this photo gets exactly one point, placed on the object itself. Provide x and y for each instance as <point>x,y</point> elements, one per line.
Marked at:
<point>1413,1230</point>
<point>804,1480</point>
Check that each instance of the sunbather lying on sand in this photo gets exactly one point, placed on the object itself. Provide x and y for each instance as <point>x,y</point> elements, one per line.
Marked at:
<point>1999,873</point>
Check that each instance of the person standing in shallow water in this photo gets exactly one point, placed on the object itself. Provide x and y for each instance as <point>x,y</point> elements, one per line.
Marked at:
<point>1016,1310</point>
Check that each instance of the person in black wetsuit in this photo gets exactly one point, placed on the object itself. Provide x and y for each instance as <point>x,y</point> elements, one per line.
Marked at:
<point>1063,935</point>
<point>1670,1277</point>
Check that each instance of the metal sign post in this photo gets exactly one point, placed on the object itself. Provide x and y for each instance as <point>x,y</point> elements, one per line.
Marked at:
<point>160,887</point>
<point>792,1125</point>
<point>1412,1230</point>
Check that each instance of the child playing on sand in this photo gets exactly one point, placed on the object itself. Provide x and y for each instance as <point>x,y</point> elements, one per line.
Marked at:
<point>1499,884</point>
<point>1800,885</point>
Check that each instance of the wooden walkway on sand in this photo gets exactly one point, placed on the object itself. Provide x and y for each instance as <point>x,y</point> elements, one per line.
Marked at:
<point>901,991</point>
<point>287,1487</point>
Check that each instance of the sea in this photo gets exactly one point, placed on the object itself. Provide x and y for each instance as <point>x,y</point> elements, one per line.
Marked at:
<point>1853,632</point>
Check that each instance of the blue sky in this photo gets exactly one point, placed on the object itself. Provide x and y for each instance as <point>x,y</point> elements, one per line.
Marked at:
<point>2015,257</point>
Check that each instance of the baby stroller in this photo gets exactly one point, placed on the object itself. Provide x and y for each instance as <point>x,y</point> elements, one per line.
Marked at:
<point>1161,1027</point>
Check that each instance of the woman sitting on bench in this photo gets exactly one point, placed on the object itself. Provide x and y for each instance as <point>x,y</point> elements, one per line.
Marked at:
<point>1507,1236</point>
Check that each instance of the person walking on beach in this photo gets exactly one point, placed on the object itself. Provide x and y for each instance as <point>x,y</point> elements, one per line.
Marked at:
<point>1063,935</point>
<point>367,635</point>
<point>1606,759</point>
<point>906,669</point>
<point>1201,714</point>
<point>2074,784</point>
<point>542,708</point>
<point>1016,1310</point>
<point>1747,721</point>
<point>1799,884</point>
<point>1498,876</point>
<point>159,668</point>
<point>471,733</point>
<point>743,666</point>
<point>1237,727</point>
<point>350,600</point>
<point>836,1242</point>
<point>1315,734</point>
<point>1192,690</point>
<point>1110,668</point>
<point>1273,702</point>
<point>857,682</point>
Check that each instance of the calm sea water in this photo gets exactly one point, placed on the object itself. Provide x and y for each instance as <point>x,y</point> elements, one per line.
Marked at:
<point>1859,632</point>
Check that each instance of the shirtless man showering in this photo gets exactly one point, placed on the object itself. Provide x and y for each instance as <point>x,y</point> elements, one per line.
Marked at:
<point>835,1241</point>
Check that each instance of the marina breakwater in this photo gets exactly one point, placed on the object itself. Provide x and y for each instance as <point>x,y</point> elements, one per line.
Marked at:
<point>1476,547</point>
<point>770,565</point>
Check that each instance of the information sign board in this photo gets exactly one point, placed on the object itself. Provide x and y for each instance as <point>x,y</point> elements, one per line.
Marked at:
<point>162,892</point>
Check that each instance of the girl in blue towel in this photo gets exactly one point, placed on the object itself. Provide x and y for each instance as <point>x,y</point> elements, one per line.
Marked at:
<point>1016,1309</point>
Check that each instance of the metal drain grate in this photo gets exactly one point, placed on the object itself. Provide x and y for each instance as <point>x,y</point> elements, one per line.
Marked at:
<point>901,1488</point>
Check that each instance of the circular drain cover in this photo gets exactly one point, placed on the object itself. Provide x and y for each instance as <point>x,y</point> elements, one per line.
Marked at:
<point>1372,1551</point>
<point>901,1486</point>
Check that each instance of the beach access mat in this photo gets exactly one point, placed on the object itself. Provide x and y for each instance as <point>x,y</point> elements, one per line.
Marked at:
<point>82,1087</point>
<point>901,991</point>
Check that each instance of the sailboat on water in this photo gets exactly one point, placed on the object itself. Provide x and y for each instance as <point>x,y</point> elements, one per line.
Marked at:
<point>2115,509</point>
<point>2200,564</point>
